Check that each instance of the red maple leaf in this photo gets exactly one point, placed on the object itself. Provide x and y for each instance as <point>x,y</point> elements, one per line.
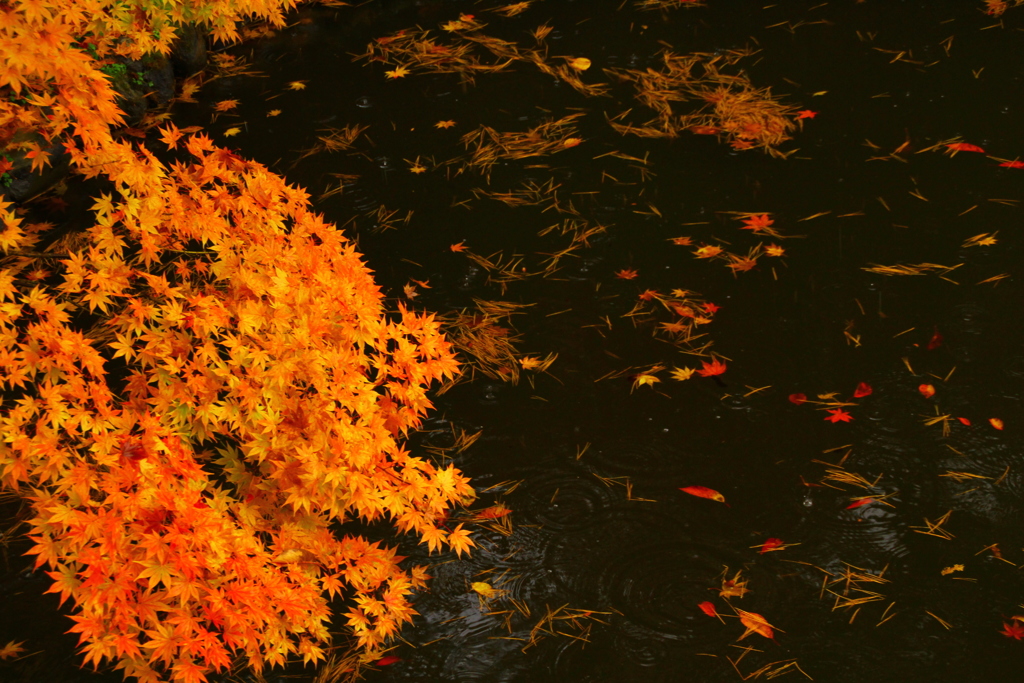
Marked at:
<point>1012,164</point>
<point>805,114</point>
<point>758,222</point>
<point>626,274</point>
<point>838,415</point>
<point>1013,630</point>
<point>964,147</point>
<point>797,399</point>
<point>863,389</point>
<point>715,367</point>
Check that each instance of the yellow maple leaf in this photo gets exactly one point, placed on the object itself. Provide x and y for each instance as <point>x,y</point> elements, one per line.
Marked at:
<point>297,85</point>
<point>225,105</point>
<point>398,72</point>
<point>643,379</point>
<point>444,124</point>
<point>274,112</point>
<point>682,374</point>
<point>11,649</point>
<point>231,132</point>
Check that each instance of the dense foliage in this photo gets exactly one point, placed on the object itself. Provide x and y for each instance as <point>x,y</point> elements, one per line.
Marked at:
<point>200,386</point>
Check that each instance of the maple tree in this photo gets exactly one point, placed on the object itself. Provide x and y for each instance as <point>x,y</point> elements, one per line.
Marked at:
<point>205,382</point>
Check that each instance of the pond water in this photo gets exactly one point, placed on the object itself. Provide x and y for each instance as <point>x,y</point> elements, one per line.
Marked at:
<point>607,560</point>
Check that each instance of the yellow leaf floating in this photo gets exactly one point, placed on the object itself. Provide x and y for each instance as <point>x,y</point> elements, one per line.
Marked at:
<point>580,63</point>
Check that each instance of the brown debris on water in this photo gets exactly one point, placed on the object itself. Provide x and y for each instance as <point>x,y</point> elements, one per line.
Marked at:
<point>712,102</point>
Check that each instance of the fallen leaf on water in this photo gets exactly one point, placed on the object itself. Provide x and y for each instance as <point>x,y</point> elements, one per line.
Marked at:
<point>390,659</point>
<point>485,590</point>
<point>461,246</point>
<point>863,389</point>
<point>444,124</point>
<point>580,63</point>
<point>297,85</point>
<point>704,130</point>
<point>734,587</point>
<point>494,512</point>
<point>955,568</point>
<point>964,147</point>
<point>1012,164</point>
<point>1013,630</point>
<point>626,274</point>
<point>859,502</point>
<point>709,609</point>
<point>703,492</point>
<point>936,340</point>
<point>770,545</point>
<point>708,251</point>
<point>274,112</point>
<point>14,648</point>
<point>774,250</point>
<point>927,390</point>
<point>758,222</point>
<point>231,132</point>
<point>643,379</point>
<point>805,114</point>
<point>995,422</point>
<point>964,421</point>
<point>398,72</point>
<point>715,367</point>
<point>755,623</point>
<point>797,399</point>
<point>225,105</point>
<point>682,374</point>
<point>838,415</point>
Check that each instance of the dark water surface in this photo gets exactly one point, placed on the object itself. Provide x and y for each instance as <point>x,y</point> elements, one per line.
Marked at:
<point>641,567</point>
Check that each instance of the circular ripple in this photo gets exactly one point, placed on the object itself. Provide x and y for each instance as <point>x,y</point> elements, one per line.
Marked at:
<point>563,499</point>
<point>637,459</point>
<point>645,568</point>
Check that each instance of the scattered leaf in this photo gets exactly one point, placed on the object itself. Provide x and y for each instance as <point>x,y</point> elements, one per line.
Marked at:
<point>1013,630</point>
<point>642,379</point>
<point>964,147</point>
<point>755,623</point>
<point>14,648</point>
<point>398,72</point>
<point>715,367</point>
<point>805,114</point>
<point>297,85</point>
<point>859,502</point>
<point>955,568</point>
<point>927,390</point>
<point>863,389</point>
<point>838,415</point>
<point>996,422</point>
<point>385,661</point>
<point>770,545</point>
<point>231,132</point>
<point>580,63</point>
<point>626,274</point>
<point>797,399</point>
<point>444,124</point>
<point>964,421</point>
<point>709,608</point>
<point>682,374</point>
<point>703,492</point>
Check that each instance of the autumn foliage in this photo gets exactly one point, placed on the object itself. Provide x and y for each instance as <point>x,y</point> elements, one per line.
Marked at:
<point>204,384</point>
